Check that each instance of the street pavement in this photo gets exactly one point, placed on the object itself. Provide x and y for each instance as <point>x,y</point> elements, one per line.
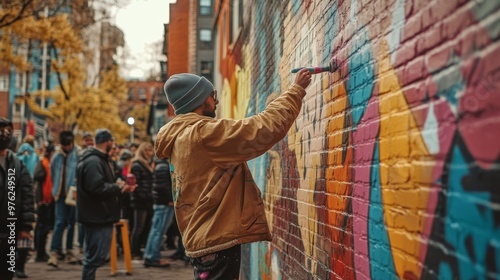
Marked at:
<point>178,270</point>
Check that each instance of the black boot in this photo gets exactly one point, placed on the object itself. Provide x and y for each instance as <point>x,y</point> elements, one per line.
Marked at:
<point>42,257</point>
<point>20,274</point>
<point>22,256</point>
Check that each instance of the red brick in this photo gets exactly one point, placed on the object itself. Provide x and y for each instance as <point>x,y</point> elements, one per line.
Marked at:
<point>414,71</point>
<point>413,26</point>
<point>4,104</point>
<point>178,39</point>
<point>430,39</point>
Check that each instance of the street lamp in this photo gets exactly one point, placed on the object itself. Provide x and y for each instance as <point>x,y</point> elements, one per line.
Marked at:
<point>131,122</point>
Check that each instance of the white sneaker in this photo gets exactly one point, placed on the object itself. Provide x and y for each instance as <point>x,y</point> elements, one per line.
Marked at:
<point>70,258</point>
<point>53,259</point>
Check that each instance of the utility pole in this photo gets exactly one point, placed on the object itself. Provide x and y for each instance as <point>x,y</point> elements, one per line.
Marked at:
<point>44,75</point>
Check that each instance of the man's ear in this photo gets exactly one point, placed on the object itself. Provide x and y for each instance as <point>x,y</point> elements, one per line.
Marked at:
<point>199,109</point>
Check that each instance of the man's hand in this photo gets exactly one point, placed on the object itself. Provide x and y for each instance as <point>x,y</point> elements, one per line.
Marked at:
<point>24,235</point>
<point>303,78</point>
<point>129,188</point>
<point>120,182</point>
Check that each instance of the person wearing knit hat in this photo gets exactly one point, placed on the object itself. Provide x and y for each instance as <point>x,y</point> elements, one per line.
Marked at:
<point>98,201</point>
<point>217,204</point>
<point>186,92</point>
<point>103,135</point>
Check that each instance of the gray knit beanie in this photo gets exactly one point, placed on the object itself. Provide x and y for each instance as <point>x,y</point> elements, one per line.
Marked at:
<point>103,135</point>
<point>187,91</point>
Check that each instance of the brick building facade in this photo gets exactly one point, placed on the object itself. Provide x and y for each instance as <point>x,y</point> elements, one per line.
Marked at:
<point>391,170</point>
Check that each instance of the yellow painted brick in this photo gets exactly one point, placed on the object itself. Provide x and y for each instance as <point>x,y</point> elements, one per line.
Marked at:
<point>339,104</point>
<point>399,173</point>
<point>399,147</point>
<point>384,174</point>
<point>384,149</point>
<point>388,83</point>
<point>399,123</point>
<point>421,171</point>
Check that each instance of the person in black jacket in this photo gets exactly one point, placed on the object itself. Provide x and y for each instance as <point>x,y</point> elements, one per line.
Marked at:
<point>98,201</point>
<point>141,200</point>
<point>163,207</point>
<point>17,211</point>
<point>45,204</point>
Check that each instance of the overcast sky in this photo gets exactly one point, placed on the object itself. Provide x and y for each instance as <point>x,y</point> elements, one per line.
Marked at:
<point>142,23</point>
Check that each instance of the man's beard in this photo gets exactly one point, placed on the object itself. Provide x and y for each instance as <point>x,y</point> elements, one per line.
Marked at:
<point>5,142</point>
<point>208,111</point>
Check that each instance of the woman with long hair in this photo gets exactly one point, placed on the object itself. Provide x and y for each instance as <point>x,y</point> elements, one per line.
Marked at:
<point>141,200</point>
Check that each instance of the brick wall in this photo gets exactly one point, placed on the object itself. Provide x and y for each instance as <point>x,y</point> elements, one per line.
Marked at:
<point>178,38</point>
<point>392,168</point>
<point>4,104</point>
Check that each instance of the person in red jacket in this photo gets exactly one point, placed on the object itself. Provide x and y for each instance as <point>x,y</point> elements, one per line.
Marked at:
<point>218,205</point>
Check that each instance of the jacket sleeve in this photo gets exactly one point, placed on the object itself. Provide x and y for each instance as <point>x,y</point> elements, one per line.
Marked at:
<point>136,169</point>
<point>40,172</point>
<point>230,142</point>
<point>39,178</point>
<point>162,184</point>
<point>27,200</point>
<point>143,192</point>
<point>95,183</point>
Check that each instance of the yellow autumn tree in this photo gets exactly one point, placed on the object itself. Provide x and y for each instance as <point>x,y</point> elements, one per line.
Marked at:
<point>87,108</point>
<point>74,104</point>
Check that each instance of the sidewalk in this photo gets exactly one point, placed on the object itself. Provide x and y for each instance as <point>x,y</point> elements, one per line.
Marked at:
<point>177,270</point>
<point>41,271</point>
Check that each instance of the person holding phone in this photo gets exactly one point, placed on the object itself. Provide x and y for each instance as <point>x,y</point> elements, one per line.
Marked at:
<point>98,201</point>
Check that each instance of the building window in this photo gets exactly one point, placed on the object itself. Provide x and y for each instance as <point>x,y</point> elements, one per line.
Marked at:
<point>207,68</point>
<point>205,38</point>
<point>205,7</point>
<point>142,94</point>
<point>130,94</point>
<point>4,83</point>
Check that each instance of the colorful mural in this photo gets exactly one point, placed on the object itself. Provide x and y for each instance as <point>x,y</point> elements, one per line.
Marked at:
<point>391,170</point>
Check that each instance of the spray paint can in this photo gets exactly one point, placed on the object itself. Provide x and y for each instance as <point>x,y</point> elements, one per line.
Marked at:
<point>331,67</point>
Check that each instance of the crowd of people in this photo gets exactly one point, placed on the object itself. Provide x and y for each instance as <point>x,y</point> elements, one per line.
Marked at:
<point>77,193</point>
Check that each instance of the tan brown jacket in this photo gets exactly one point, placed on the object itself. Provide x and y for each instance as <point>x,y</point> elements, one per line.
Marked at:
<point>217,203</point>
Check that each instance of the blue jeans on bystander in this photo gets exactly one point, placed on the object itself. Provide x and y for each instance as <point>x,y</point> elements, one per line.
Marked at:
<point>64,217</point>
<point>162,218</point>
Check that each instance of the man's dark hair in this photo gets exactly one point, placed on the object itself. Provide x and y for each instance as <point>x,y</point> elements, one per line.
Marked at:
<point>66,137</point>
<point>135,145</point>
<point>5,123</point>
<point>49,148</point>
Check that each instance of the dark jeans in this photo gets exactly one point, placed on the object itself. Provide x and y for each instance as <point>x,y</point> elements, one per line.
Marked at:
<point>81,235</point>
<point>141,228</point>
<point>96,247</point>
<point>180,248</point>
<point>45,222</point>
<point>224,265</point>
